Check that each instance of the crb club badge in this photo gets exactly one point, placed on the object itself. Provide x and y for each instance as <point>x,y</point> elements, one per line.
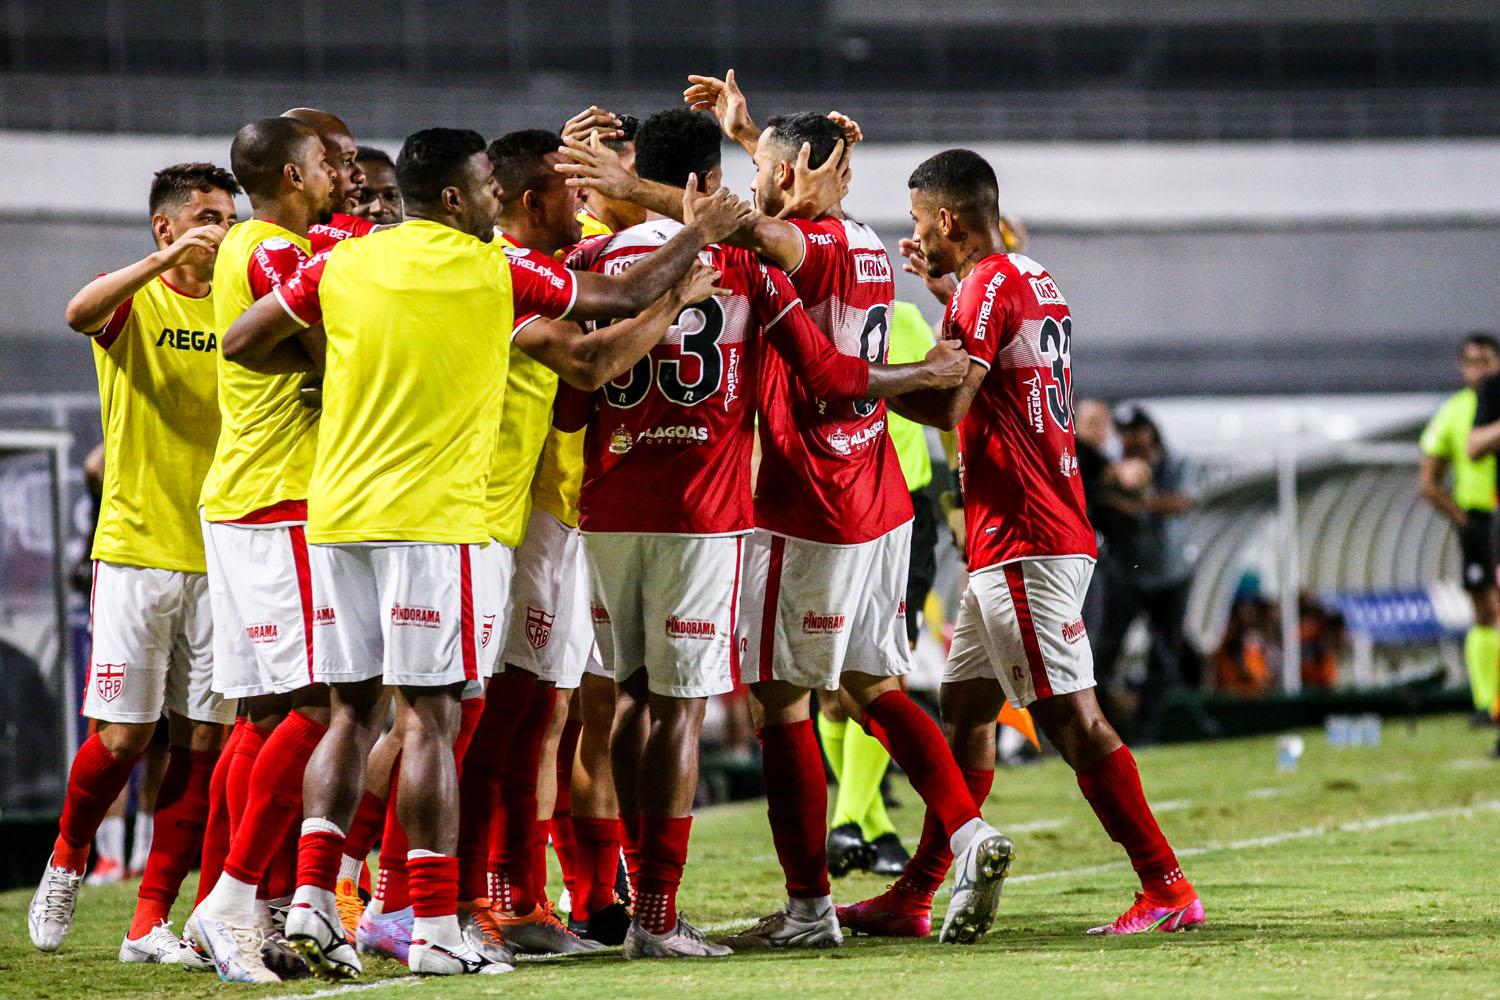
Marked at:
<point>110,680</point>
<point>538,627</point>
<point>485,631</point>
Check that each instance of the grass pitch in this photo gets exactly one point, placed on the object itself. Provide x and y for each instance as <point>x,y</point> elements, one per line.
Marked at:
<point>1368,872</point>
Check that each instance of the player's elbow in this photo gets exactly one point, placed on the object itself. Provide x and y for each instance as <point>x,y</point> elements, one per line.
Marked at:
<point>79,319</point>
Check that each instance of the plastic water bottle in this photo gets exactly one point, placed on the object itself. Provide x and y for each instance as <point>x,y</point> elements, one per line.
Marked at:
<point>1369,729</point>
<point>1338,730</point>
<point>1288,751</point>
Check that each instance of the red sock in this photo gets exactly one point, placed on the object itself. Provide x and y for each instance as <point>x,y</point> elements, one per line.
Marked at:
<point>479,806</point>
<point>365,829</point>
<point>630,830</point>
<point>598,861</point>
<point>565,846</point>
<point>216,827</point>
<point>94,782</point>
<point>664,846</point>
<point>241,765</point>
<point>280,879</point>
<point>512,865</point>
<point>563,835</point>
<point>797,805</point>
<point>470,709</point>
<point>929,865</point>
<point>319,852</point>
<point>1112,785</point>
<point>275,797</point>
<point>391,888</point>
<point>917,746</point>
<point>434,885</point>
<point>181,814</point>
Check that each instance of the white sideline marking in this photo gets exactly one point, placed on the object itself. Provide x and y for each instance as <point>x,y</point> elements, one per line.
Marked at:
<point>1469,764</point>
<point>1270,793</point>
<point>361,987</point>
<point>1035,826</point>
<point>1171,805</point>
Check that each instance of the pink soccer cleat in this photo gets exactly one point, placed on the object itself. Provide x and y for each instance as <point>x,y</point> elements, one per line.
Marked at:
<point>1144,916</point>
<point>893,913</point>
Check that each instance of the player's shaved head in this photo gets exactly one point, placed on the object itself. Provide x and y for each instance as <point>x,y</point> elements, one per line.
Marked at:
<point>671,144</point>
<point>324,123</point>
<point>789,132</point>
<point>520,160</point>
<point>263,148</point>
<point>960,180</point>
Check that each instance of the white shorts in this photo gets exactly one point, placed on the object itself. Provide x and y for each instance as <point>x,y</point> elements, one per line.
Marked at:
<point>493,568</point>
<point>153,647</point>
<point>667,603</point>
<point>1022,623</point>
<point>803,602</point>
<point>404,612</point>
<point>261,587</point>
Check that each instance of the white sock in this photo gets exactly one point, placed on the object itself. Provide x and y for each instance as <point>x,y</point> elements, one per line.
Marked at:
<point>231,896</point>
<point>810,909</point>
<point>959,842</point>
<point>438,930</point>
<point>350,868</point>
<point>145,827</point>
<point>109,840</point>
<point>316,897</point>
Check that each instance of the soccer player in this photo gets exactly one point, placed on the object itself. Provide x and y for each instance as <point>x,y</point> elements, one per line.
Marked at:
<point>667,571</point>
<point>380,196</point>
<point>602,215</point>
<point>155,344</point>
<point>1470,505</point>
<point>254,508</point>
<point>342,154</point>
<point>1019,634</point>
<point>415,319</point>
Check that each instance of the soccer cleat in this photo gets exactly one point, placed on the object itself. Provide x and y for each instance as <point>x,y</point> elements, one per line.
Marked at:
<point>541,933</point>
<point>682,941</point>
<point>385,934</point>
<point>889,855</point>
<point>482,931</point>
<point>893,913</point>
<point>978,874</point>
<point>50,916</point>
<point>159,946</point>
<point>107,872</point>
<point>281,958</point>
<point>607,926</point>
<point>784,929</point>
<point>350,906</point>
<point>848,850</point>
<point>315,932</point>
<point>435,960</point>
<point>1145,916</point>
<point>233,946</point>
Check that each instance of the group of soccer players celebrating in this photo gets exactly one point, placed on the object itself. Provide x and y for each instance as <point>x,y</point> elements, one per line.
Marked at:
<point>488,467</point>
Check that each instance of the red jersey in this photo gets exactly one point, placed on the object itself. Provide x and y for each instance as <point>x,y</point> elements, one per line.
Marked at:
<point>1017,466</point>
<point>324,235</point>
<point>273,261</point>
<point>828,472</point>
<point>668,444</point>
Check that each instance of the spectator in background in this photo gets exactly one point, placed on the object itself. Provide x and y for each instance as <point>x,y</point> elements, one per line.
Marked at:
<point>1153,567</point>
<point>1469,504</point>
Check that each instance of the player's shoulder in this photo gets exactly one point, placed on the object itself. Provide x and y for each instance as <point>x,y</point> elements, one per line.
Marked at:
<point>614,254</point>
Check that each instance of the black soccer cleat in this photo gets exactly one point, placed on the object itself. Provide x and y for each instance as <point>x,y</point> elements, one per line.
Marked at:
<point>848,851</point>
<point>890,856</point>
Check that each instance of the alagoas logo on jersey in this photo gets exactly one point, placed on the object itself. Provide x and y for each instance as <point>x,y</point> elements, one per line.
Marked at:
<point>844,443</point>
<point>690,628</point>
<point>420,617</point>
<point>262,633</point>
<point>538,626</point>
<point>825,624</point>
<point>675,434</point>
<point>619,441</point>
<point>109,680</point>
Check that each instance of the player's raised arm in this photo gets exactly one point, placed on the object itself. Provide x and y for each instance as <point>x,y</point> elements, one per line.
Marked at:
<point>707,217</point>
<point>723,99</point>
<point>90,309</point>
<point>587,361</point>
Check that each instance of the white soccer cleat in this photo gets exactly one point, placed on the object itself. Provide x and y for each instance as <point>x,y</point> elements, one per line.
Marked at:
<point>978,874</point>
<point>233,943</point>
<point>50,916</point>
<point>315,932</point>
<point>785,929</point>
<point>159,946</point>
<point>429,959</point>
<point>682,941</point>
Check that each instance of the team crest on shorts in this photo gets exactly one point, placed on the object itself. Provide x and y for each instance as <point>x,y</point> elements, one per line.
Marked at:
<point>620,441</point>
<point>538,627</point>
<point>110,680</point>
<point>486,630</point>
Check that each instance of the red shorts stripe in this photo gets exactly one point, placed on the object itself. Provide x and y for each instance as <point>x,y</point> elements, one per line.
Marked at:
<point>768,614</point>
<point>1015,577</point>
<point>466,614</point>
<point>298,536</point>
<point>734,614</point>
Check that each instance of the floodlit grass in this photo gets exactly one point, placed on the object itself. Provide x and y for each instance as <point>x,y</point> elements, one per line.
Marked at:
<point>1368,872</point>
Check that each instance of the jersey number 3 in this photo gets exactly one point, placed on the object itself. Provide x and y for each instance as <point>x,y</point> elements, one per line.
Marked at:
<point>701,323</point>
<point>1057,345</point>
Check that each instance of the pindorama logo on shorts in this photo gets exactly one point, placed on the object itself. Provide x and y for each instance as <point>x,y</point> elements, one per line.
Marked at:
<point>599,614</point>
<point>323,616</point>
<point>419,617</point>
<point>1073,631</point>
<point>538,626</point>
<point>690,628</point>
<point>824,624</point>
<point>109,680</point>
<point>262,633</point>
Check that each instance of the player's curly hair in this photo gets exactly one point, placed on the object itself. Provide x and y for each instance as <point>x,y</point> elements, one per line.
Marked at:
<point>433,159</point>
<point>520,160</point>
<point>629,125</point>
<point>173,187</point>
<point>960,178</point>
<point>671,144</point>
<point>820,131</point>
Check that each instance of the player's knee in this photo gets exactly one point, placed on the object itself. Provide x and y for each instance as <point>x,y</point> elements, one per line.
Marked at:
<point>865,688</point>
<point>126,740</point>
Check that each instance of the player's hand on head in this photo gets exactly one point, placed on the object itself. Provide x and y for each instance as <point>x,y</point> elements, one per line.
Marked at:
<point>815,191</point>
<point>592,120</point>
<point>717,213</point>
<point>591,164</point>
<point>948,363</point>
<point>199,244</point>
<point>721,98</point>
<point>852,132</point>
